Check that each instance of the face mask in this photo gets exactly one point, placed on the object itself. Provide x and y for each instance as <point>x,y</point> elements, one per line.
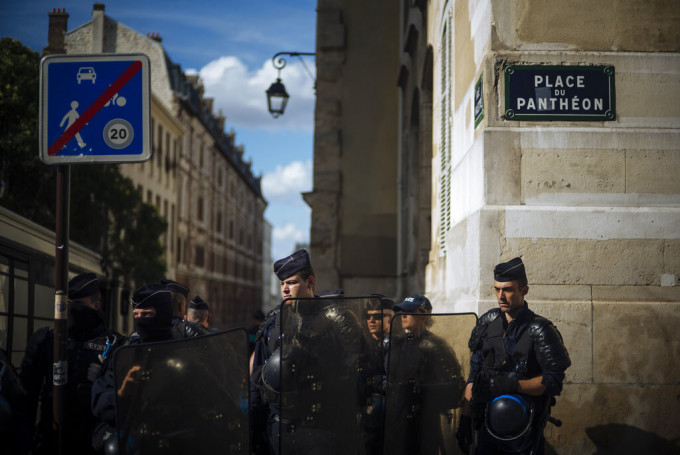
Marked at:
<point>157,328</point>
<point>82,320</point>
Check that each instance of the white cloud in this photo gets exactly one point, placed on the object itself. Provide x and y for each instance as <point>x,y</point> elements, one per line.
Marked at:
<point>285,183</point>
<point>240,93</point>
<point>289,232</point>
<point>284,239</point>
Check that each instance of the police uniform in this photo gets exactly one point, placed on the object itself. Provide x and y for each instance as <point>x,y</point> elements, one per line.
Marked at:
<point>504,353</point>
<point>153,329</point>
<point>87,340</point>
<point>426,381</point>
<point>373,373</point>
<point>197,303</point>
<point>264,413</point>
<point>182,328</point>
<point>308,423</point>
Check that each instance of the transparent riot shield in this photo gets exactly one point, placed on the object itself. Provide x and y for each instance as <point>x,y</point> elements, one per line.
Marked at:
<point>428,363</point>
<point>331,378</point>
<point>187,396</point>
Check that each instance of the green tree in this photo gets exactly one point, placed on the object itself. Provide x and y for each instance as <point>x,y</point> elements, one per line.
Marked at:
<point>27,185</point>
<point>107,213</point>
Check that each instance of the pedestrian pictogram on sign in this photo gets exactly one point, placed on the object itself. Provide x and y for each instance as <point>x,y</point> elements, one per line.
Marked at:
<point>95,108</point>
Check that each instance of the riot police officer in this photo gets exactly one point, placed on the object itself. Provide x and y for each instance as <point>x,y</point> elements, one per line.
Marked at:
<point>87,340</point>
<point>199,312</point>
<point>517,367</point>
<point>180,326</point>
<point>424,382</point>
<point>373,367</point>
<point>297,279</point>
<point>305,368</point>
<point>153,315</point>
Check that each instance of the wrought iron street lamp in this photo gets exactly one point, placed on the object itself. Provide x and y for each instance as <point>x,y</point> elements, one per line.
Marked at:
<point>277,97</point>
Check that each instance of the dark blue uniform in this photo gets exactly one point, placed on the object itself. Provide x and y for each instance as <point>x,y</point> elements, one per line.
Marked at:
<point>36,376</point>
<point>546,356</point>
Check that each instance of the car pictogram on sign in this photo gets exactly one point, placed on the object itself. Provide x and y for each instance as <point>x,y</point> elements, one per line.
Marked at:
<point>85,73</point>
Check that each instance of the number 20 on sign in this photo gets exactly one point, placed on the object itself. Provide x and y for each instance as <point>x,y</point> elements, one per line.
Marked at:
<point>95,108</point>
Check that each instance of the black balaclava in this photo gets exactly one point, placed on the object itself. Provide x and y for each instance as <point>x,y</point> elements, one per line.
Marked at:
<point>159,327</point>
<point>83,321</point>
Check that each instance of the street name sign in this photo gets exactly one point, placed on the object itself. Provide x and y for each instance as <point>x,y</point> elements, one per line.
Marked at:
<point>479,100</point>
<point>563,93</point>
<point>95,108</point>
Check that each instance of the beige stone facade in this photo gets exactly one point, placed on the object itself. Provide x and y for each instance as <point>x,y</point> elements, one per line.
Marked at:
<point>593,207</point>
<point>354,200</point>
<point>196,178</point>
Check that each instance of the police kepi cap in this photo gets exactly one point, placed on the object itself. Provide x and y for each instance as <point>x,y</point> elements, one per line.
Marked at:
<point>513,270</point>
<point>152,296</point>
<point>83,285</point>
<point>174,286</point>
<point>413,302</point>
<point>197,303</point>
<point>290,265</point>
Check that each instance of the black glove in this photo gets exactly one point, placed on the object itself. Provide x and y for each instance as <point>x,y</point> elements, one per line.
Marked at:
<point>501,385</point>
<point>464,434</point>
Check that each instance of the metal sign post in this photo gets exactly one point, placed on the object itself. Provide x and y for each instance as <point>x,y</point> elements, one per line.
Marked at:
<point>60,365</point>
<point>93,108</point>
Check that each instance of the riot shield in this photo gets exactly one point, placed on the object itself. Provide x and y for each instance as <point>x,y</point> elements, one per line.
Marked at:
<point>331,378</point>
<point>428,363</point>
<point>187,396</point>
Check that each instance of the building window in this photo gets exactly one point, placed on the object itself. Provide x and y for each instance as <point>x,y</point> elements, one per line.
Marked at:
<point>172,227</point>
<point>199,260</point>
<point>199,209</point>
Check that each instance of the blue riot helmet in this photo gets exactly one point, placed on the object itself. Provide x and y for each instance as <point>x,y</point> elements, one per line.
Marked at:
<point>508,419</point>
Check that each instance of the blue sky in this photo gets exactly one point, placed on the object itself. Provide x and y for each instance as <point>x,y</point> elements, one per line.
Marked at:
<point>229,43</point>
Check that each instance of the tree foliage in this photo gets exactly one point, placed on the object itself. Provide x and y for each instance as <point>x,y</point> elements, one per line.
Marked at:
<point>28,184</point>
<point>107,213</point>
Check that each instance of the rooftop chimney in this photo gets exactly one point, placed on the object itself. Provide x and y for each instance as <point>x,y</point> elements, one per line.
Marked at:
<point>155,36</point>
<point>56,32</point>
<point>98,28</point>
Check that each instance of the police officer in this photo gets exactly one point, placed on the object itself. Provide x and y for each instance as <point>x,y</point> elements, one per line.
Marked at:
<point>180,326</point>
<point>425,382</point>
<point>199,312</point>
<point>518,363</point>
<point>317,363</point>
<point>87,340</point>
<point>153,310</point>
<point>297,280</point>
<point>373,363</point>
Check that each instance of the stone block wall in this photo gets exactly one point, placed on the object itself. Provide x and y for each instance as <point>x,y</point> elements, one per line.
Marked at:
<point>592,207</point>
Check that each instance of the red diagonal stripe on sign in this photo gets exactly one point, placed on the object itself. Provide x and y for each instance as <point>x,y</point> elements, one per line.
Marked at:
<point>72,130</point>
